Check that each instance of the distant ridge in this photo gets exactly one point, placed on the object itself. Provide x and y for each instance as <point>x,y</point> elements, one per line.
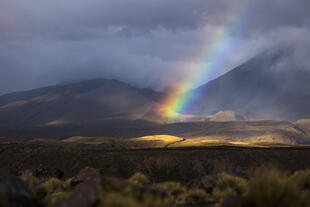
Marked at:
<point>96,102</point>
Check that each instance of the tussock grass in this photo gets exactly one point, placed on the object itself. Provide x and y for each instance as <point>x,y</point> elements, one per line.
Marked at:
<point>272,188</point>
<point>57,191</point>
<point>193,197</point>
<point>301,179</point>
<point>174,189</point>
<point>53,199</point>
<point>228,185</point>
<point>49,193</point>
<point>139,178</point>
<point>31,182</point>
<point>266,187</point>
<point>53,185</point>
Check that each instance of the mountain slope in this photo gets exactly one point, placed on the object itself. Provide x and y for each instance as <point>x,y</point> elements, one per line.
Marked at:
<point>260,87</point>
<point>94,102</point>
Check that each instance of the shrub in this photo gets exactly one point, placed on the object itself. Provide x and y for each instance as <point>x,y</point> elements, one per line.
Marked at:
<point>53,185</point>
<point>270,188</point>
<point>139,178</point>
<point>67,184</point>
<point>301,179</point>
<point>228,185</point>
<point>53,199</point>
<point>193,197</point>
<point>133,193</point>
<point>172,188</point>
<point>30,181</point>
<point>208,183</point>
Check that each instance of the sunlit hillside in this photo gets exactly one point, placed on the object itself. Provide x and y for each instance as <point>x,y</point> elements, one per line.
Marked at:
<point>156,141</point>
<point>167,141</point>
<point>241,133</point>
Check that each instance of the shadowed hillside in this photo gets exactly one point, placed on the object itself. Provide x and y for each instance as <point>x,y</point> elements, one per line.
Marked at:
<point>90,103</point>
<point>259,88</point>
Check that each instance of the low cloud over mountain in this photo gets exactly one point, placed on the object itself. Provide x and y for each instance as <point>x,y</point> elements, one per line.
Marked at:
<point>147,44</point>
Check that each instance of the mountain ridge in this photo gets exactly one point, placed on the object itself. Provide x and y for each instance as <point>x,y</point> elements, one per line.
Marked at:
<point>258,88</point>
<point>89,101</point>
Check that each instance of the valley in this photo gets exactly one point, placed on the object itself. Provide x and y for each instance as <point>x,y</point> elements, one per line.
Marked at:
<point>195,133</point>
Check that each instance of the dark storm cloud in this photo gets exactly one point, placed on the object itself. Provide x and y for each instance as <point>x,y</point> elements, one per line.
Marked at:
<point>145,43</point>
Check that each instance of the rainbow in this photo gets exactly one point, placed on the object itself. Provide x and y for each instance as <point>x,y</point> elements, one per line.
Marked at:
<point>222,45</point>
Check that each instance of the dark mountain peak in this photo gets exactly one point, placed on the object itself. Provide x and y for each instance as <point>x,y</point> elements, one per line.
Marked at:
<point>265,85</point>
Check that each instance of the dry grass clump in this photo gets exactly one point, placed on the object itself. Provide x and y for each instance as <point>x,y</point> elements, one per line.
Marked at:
<point>267,187</point>
<point>53,185</point>
<point>228,185</point>
<point>31,182</point>
<point>271,188</point>
<point>301,179</point>
<point>48,193</point>
<point>173,189</point>
<point>53,199</point>
<point>57,191</point>
<point>139,178</point>
<point>193,197</point>
<point>180,196</point>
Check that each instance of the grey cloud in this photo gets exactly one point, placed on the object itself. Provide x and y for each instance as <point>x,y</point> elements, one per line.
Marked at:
<point>145,43</point>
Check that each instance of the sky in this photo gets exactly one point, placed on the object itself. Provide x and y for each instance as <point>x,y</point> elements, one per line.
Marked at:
<point>151,43</point>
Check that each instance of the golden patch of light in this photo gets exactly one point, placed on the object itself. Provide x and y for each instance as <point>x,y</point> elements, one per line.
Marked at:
<point>165,138</point>
<point>199,142</point>
<point>242,143</point>
<point>87,140</point>
<point>212,141</point>
<point>156,141</point>
<point>164,141</point>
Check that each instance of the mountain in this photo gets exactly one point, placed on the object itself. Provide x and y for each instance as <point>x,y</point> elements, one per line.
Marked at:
<point>257,89</point>
<point>110,108</point>
<point>98,102</point>
<point>260,88</point>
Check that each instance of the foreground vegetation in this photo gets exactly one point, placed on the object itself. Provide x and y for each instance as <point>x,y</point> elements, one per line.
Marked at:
<point>266,187</point>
